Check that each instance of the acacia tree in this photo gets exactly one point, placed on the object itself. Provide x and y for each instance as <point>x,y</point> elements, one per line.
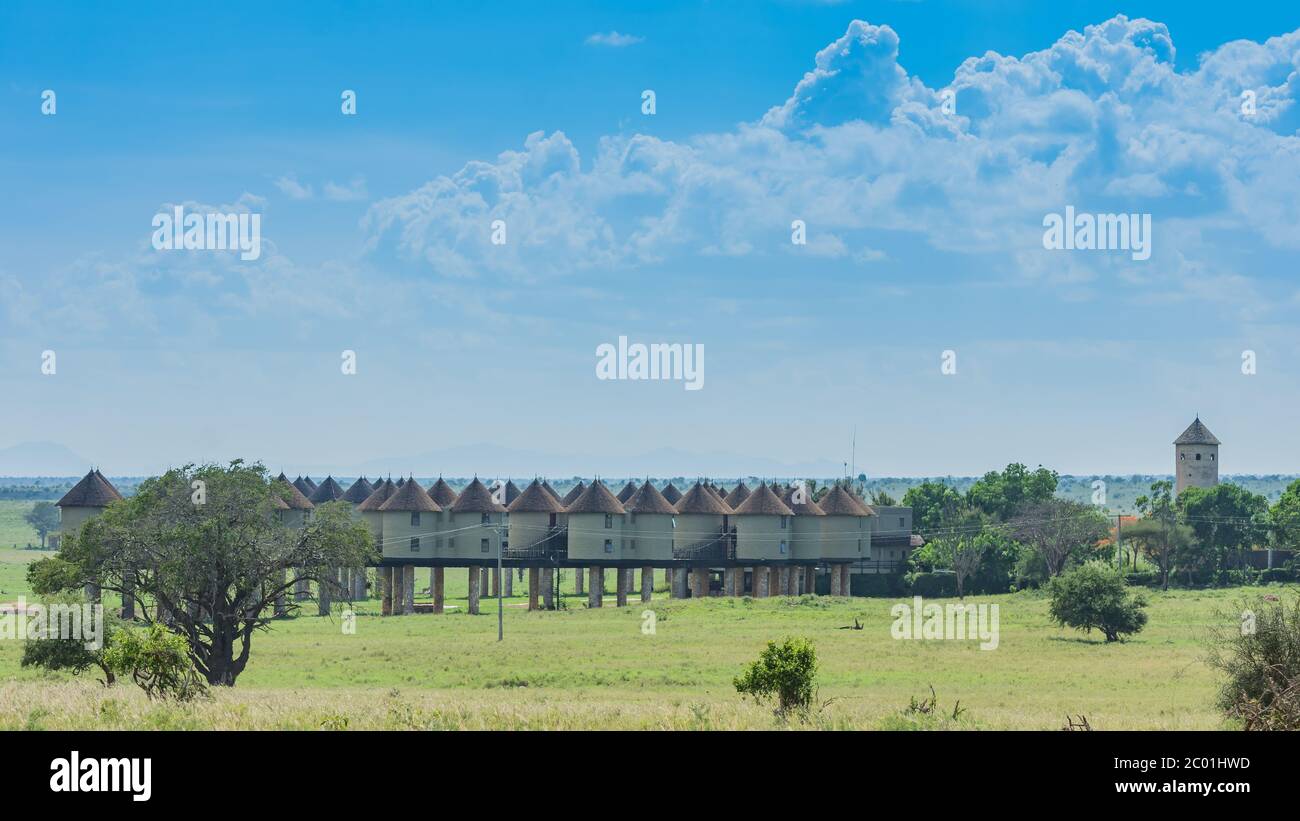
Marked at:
<point>206,545</point>
<point>1059,530</point>
<point>43,518</point>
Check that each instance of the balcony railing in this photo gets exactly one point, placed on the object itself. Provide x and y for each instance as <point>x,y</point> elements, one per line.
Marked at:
<point>554,546</point>
<point>718,548</point>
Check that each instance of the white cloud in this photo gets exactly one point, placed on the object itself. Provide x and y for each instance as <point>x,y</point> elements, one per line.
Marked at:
<point>613,39</point>
<point>290,187</point>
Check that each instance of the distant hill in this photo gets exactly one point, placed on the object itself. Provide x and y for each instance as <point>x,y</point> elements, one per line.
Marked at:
<point>41,459</point>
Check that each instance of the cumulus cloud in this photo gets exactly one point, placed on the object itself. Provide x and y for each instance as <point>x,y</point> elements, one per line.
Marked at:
<point>861,150</point>
<point>294,190</point>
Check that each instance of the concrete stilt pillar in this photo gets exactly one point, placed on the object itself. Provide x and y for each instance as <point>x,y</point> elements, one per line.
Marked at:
<point>846,579</point>
<point>301,591</point>
<point>621,587</point>
<point>699,582</point>
<point>384,577</point>
<point>509,582</point>
<point>484,582</point>
<point>785,582</point>
<point>578,580</point>
<point>475,577</point>
<point>837,580</point>
<point>647,583</point>
<point>810,580</point>
<point>437,587</point>
<point>595,586</point>
<point>281,601</point>
<point>496,582</point>
<point>774,581</point>
<point>534,586</point>
<point>548,588</point>
<point>408,589</point>
<point>729,581</point>
<point>760,582</point>
<point>670,579</point>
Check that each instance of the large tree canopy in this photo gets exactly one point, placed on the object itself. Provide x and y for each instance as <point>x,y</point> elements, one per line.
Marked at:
<point>1008,493</point>
<point>207,546</point>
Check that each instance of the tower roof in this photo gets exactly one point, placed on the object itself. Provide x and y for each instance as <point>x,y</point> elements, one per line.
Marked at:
<point>1197,434</point>
<point>512,492</point>
<point>672,494</point>
<point>476,498</point>
<point>808,508</point>
<point>383,491</point>
<point>839,502</point>
<point>359,492</point>
<point>738,494</point>
<point>291,495</point>
<point>326,491</point>
<point>573,494</point>
<point>763,502</point>
<point>410,497</point>
<point>442,493</point>
<point>305,486</point>
<point>648,499</point>
<point>627,491</point>
<point>700,499</point>
<point>596,499</point>
<point>535,499</point>
<point>546,486</point>
<point>92,491</point>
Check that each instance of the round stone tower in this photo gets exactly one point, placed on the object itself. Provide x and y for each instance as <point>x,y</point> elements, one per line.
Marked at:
<point>1196,458</point>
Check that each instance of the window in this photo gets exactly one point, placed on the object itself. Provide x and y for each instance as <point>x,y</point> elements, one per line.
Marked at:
<point>609,546</point>
<point>609,520</point>
<point>901,525</point>
<point>783,544</point>
<point>279,515</point>
<point>1198,457</point>
<point>451,542</point>
<point>486,519</point>
<point>859,545</point>
<point>1182,457</point>
<point>415,518</point>
<point>552,523</point>
<point>415,544</point>
<point>632,544</point>
<point>483,546</point>
<point>783,524</point>
<point>1211,457</point>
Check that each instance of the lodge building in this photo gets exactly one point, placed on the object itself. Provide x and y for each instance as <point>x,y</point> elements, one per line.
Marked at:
<point>765,541</point>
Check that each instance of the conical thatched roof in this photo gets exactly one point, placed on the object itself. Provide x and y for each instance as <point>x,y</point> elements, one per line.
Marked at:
<point>512,492</point>
<point>546,486</point>
<point>596,499</point>
<point>700,499</point>
<point>737,495</point>
<point>535,499</point>
<point>292,496</point>
<point>648,499</point>
<point>626,492</point>
<point>723,492</point>
<point>763,502</point>
<point>476,498</point>
<point>672,494</point>
<point>442,493</point>
<point>573,494</point>
<point>412,497</point>
<point>326,491</point>
<point>1197,434</point>
<point>808,508</point>
<point>359,492</point>
<point>92,491</point>
<point>277,503</point>
<point>305,486</point>
<point>839,502</point>
<point>400,481</point>
<point>383,492</point>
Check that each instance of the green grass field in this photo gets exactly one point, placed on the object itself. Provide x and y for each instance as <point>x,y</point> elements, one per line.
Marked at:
<point>580,668</point>
<point>14,532</point>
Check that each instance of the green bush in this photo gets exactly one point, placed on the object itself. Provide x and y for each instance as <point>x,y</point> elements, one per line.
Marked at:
<point>879,585</point>
<point>1277,574</point>
<point>933,585</point>
<point>1142,578</point>
<point>1093,595</point>
<point>1261,657</point>
<point>156,659</point>
<point>786,672</point>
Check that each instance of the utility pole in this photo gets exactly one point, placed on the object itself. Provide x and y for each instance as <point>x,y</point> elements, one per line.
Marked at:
<point>501,586</point>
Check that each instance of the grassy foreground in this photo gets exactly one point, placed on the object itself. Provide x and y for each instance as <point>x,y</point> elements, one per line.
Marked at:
<point>581,668</point>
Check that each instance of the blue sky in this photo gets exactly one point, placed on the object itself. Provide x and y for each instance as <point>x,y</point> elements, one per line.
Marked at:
<point>924,234</point>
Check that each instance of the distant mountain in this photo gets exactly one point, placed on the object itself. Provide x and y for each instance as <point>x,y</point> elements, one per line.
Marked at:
<point>41,459</point>
<point>494,460</point>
